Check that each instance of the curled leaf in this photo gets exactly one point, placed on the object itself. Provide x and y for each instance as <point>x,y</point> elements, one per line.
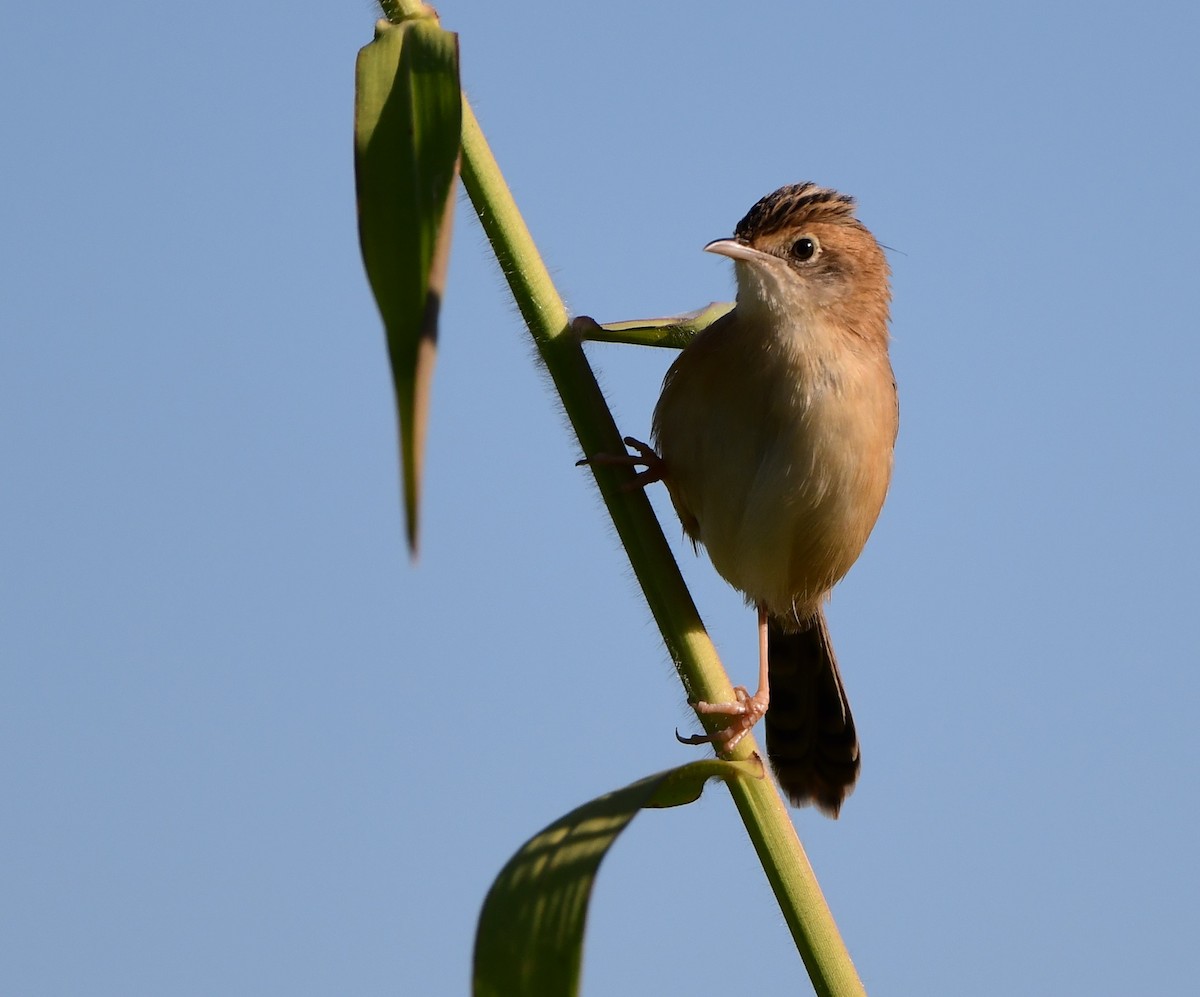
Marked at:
<point>530,935</point>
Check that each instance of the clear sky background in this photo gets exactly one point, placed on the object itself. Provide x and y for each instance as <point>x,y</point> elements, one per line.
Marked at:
<point>247,748</point>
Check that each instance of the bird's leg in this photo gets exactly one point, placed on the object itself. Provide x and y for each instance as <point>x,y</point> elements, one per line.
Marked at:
<point>645,457</point>
<point>747,710</point>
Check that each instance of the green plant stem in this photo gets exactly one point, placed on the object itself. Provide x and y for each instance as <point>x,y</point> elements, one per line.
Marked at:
<point>562,351</point>
<point>758,801</point>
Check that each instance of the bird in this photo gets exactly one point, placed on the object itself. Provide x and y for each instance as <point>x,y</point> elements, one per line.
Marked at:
<point>774,435</point>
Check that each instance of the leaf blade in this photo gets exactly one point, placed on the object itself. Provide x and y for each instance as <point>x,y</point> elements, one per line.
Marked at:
<point>407,137</point>
<point>530,935</point>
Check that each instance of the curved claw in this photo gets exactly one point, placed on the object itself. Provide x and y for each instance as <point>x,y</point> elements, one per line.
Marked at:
<point>743,715</point>
<point>645,457</point>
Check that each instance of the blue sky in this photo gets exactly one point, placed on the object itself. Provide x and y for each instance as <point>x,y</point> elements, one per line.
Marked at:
<point>248,748</point>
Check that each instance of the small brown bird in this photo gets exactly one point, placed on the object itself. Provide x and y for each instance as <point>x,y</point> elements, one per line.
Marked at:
<point>774,436</point>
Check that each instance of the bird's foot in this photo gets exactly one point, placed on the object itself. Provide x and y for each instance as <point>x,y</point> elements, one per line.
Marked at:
<point>743,715</point>
<point>645,457</point>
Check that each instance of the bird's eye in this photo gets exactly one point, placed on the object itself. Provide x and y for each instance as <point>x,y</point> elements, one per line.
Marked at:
<point>804,248</point>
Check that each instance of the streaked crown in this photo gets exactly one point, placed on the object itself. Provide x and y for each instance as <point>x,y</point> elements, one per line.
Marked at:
<point>794,205</point>
<point>837,267</point>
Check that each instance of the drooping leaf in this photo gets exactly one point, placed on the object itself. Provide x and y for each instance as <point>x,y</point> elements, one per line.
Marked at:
<point>529,942</point>
<point>407,134</point>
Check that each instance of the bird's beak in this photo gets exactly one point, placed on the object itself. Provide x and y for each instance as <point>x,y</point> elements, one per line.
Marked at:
<point>735,250</point>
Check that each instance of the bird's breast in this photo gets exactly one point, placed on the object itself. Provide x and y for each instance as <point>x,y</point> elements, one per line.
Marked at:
<point>778,461</point>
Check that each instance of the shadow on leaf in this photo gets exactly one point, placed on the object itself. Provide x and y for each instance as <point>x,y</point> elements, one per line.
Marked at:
<point>530,935</point>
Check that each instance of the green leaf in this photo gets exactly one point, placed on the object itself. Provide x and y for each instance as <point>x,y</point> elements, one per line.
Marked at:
<point>674,332</point>
<point>407,135</point>
<point>530,935</point>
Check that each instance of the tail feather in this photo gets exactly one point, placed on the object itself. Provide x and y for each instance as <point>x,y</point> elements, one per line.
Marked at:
<point>811,740</point>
